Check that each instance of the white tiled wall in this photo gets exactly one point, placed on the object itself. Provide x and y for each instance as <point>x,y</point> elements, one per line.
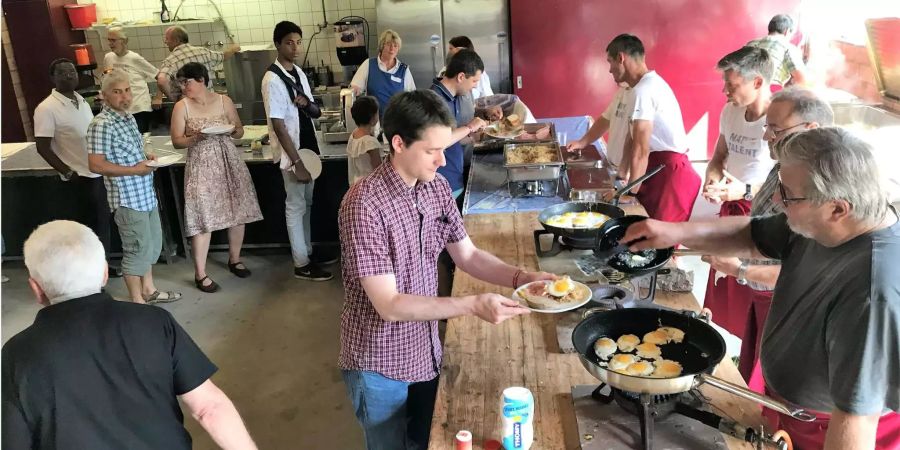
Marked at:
<point>250,22</point>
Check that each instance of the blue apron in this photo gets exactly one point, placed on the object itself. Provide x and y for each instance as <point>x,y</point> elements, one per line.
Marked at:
<point>382,85</point>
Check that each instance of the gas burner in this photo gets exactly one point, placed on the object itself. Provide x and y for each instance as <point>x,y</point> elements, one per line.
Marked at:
<point>538,188</point>
<point>559,244</point>
<point>579,244</point>
<point>662,405</point>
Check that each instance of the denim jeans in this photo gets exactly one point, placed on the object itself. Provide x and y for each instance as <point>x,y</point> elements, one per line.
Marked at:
<point>395,415</point>
<point>297,211</point>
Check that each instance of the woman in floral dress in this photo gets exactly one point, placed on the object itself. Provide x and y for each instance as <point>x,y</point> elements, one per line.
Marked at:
<point>218,191</point>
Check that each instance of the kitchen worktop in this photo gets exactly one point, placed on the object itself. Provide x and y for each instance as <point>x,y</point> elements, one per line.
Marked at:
<point>23,159</point>
<point>481,359</point>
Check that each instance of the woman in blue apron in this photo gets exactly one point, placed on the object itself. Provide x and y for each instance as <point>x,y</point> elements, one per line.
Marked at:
<point>384,75</point>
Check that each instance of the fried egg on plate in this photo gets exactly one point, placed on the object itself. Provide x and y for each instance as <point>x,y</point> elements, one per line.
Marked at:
<point>627,342</point>
<point>649,351</point>
<point>675,335</point>
<point>621,361</point>
<point>656,337</point>
<point>560,287</point>
<point>604,347</point>
<point>640,368</point>
<point>666,368</point>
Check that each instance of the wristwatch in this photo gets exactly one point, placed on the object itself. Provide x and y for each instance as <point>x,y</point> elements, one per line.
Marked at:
<point>748,194</point>
<point>742,274</point>
<point>68,175</point>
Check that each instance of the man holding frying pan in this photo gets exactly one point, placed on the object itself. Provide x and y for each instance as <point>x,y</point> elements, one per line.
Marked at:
<point>831,342</point>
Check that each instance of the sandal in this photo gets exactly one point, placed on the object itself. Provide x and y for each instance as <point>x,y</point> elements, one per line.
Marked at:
<point>209,288</point>
<point>241,272</point>
<point>162,297</point>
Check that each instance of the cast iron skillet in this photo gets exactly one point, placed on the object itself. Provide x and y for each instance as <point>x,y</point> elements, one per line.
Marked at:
<point>698,354</point>
<point>608,245</point>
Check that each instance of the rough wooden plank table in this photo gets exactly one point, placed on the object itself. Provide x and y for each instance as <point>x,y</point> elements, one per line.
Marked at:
<point>481,359</point>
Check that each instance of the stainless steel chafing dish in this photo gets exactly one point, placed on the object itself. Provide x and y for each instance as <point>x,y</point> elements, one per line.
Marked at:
<point>533,171</point>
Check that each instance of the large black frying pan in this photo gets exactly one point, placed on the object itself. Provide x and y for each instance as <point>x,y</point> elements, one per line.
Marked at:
<point>609,209</point>
<point>702,349</point>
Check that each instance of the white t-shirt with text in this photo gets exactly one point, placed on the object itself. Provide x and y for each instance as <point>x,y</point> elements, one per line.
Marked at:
<point>748,153</point>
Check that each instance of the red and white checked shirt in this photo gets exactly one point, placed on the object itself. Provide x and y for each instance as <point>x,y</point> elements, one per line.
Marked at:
<point>386,227</point>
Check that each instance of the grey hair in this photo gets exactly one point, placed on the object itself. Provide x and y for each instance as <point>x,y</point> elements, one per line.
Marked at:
<point>66,259</point>
<point>117,30</point>
<point>806,105</point>
<point>113,77</point>
<point>179,33</point>
<point>841,167</point>
<point>749,63</point>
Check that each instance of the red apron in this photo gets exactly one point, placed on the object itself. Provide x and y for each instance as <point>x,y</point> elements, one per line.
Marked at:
<point>670,194</point>
<point>749,366</point>
<point>811,435</point>
<point>729,301</point>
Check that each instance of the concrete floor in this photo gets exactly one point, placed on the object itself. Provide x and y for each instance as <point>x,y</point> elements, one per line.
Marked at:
<point>275,339</point>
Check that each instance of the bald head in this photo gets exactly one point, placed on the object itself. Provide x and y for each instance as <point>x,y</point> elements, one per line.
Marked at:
<point>175,36</point>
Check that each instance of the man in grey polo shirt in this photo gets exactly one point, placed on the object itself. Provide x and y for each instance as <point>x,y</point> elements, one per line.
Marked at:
<point>831,343</point>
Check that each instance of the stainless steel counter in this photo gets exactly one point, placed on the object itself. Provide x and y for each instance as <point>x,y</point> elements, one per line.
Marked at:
<point>27,161</point>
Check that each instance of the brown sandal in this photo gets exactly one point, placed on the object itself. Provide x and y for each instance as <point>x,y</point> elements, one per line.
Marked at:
<point>210,288</point>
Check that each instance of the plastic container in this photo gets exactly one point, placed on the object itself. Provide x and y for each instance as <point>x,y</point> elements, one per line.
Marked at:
<point>517,405</point>
<point>81,16</point>
<point>83,53</point>
<point>464,440</point>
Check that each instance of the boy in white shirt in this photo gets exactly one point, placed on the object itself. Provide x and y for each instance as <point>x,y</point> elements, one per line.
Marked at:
<point>363,150</point>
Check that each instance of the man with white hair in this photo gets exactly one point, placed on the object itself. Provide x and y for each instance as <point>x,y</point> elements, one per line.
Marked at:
<point>94,373</point>
<point>117,152</point>
<point>139,70</point>
<point>831,341</point>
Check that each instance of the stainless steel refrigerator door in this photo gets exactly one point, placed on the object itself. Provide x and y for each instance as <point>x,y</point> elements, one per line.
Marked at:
<point>486,23</point>
<point>418,22</point>
<point>243,77</point>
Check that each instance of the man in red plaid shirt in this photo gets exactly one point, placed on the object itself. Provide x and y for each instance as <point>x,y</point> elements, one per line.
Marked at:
<point>394,223</point>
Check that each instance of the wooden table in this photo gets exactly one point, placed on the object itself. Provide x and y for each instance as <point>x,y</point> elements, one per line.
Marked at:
<point>481,359</point>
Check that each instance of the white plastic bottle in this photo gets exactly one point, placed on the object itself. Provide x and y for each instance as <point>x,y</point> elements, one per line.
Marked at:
<point>517,405</point>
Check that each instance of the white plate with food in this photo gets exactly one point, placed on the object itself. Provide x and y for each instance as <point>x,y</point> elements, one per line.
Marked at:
<point>163,161</point>
<point>554,296</point>
<point>510,127</point>
<point>218,129</point>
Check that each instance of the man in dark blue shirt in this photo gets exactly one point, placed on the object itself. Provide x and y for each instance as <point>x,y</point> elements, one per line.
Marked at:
<point>463,73</point>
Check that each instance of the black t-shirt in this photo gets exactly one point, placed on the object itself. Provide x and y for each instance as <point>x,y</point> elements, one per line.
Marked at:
<point>95,373</point>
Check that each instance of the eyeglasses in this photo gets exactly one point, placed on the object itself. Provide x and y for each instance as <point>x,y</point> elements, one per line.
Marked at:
<point>185,81</point>
<point>775,132</point>
<point>785,200</point>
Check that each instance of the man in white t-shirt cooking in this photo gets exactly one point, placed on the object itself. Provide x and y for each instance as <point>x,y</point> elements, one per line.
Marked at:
<point>738,169</point>
<point>616,120</point>
<point>139,70</point>
<point>656,135</point>
<point>60,126</point>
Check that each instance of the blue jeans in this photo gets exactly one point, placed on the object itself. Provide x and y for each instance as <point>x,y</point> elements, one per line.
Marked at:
<point>297,211</point>
<point>395,415</point>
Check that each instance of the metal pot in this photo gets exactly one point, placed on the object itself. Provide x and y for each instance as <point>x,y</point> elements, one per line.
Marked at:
<point>702,349</point>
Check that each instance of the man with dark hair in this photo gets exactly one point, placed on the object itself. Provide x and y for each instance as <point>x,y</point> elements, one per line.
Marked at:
<point>393,224</point>
<point>289,110</point>
<point>363,150</point>
<point>60,126</point>
<point>647,120</point>
<point>463,73</point>
<point>787,59</point>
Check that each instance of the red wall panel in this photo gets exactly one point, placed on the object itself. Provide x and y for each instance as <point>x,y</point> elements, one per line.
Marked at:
<point>558,48</point>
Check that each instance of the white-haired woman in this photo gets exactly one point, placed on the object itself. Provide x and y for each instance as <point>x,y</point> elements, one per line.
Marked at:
<point>384,75</point>
<point>139,70</point>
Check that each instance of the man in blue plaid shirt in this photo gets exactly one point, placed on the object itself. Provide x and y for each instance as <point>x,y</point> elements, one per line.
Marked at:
<point>116,151</point>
